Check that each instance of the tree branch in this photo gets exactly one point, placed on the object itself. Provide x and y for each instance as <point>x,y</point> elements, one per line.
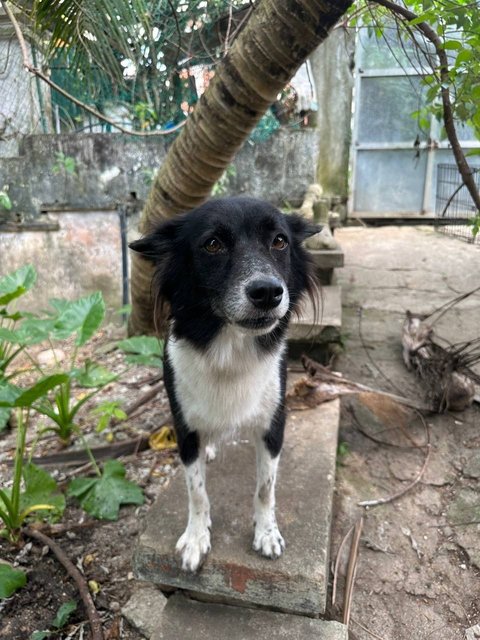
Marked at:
<point>448,120</point>
<point>39,74</point>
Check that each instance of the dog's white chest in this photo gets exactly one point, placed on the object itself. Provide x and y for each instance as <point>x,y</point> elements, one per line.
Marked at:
<point>227,387</point>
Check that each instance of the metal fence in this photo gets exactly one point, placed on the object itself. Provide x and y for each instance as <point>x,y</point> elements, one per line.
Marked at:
<point>454,207</point>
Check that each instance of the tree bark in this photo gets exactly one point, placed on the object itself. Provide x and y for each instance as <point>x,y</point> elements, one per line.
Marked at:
<point>278,37</point>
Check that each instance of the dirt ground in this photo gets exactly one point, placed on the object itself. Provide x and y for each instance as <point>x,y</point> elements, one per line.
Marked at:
<point>419,561</point>
<point>101,550</point>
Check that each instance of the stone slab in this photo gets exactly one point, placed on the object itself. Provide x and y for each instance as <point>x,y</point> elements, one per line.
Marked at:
<point>310,326</point>
<point>327,258</point>
<point>145,608</point>
<point>296,582</point>
<point>183,618</point>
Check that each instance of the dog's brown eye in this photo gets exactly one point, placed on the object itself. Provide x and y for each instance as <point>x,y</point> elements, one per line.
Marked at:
<point>212,245</point>
<point>280,242</point>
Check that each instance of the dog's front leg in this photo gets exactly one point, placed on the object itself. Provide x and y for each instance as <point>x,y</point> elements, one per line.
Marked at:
<point>267,538</point>
<point>194,543</point>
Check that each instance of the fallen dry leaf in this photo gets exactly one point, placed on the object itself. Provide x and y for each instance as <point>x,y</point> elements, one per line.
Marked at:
<point>163,439</point>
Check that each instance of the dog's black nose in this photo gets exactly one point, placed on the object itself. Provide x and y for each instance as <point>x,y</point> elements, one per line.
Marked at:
<point>265,294</point>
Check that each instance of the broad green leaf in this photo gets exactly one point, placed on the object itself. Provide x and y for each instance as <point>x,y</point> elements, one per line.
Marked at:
<point>34,330</point>
<point>63,614</point>
<point>8,394</point>
<point>17,283</point>
<point>452,45</point>
<point>144,345</point>
<point>101,497</point>
<point>4,417</point>
<point>41,491</point>
<point>10,580</point>
<point>8,335</point>
<point>145,350</point>
<point>93,375</point>
<point>28,397</point>
<point>40,635</point>
<point>146,361</point>
<point>59,304</point>
<point>83,317</point>
<point>464,56</point>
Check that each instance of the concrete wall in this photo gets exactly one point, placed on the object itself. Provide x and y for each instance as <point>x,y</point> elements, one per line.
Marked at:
<point>109,167</point>
<point>79,250</point>
<point>84,255</point>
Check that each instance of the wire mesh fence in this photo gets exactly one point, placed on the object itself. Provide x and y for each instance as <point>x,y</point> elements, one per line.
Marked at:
<point>454,206</point>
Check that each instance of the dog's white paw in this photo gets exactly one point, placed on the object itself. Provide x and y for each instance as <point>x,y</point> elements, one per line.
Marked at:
<point>268,541</point>
<point>210,452</point>
<point>193,545</point>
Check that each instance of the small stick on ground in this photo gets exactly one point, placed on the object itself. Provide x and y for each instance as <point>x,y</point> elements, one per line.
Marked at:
<point>337,564</point>
<point>74,573</point>
<point>352,571</point>
<point>428,446</point>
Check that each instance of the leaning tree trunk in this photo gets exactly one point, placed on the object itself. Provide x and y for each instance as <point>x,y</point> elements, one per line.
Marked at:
<point>278,37</point>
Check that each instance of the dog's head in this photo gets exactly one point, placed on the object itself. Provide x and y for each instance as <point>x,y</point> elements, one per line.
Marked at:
<point>236,261</point>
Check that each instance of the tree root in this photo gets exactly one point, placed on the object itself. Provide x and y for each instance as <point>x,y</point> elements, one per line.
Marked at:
<point>74,573</point>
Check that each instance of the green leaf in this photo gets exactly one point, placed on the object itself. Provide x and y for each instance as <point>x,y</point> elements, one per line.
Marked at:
<point>8,335</point>
<point>8,394</point>
<point>464,56</point>
<point>40,389</point>
<point>41,489</point>
<point>5,202</point>
<point>10,580</point>
<point>59,304</point>
<point>4,417</point>
<point>63,614</point>
<point>17,283</point>
<point>34,330</point>
<point>83,317</point>
<point>106,411</point>
<point>40,635</point>
<point>452,45</point>
<point>102,496</point>
<point>145,350</point>
<point>93,375</point>
<point>126,309</point>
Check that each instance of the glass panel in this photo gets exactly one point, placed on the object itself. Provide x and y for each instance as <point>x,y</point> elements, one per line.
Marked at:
<point>388,52</point>
<point>389,181</point>
<point>386,107</point>
<point>464,133</point>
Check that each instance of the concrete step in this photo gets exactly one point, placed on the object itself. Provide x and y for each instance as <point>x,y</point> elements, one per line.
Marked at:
<point>183,618</point>
<point>308,325</point>
<point>233,572</point>
<point>326,260</point>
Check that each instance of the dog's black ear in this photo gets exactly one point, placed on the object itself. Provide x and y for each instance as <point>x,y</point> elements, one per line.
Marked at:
<point>301,228</point>
<point>155,245</point>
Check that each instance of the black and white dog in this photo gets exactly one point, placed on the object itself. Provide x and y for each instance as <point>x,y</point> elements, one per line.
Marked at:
<point>232,272</point>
